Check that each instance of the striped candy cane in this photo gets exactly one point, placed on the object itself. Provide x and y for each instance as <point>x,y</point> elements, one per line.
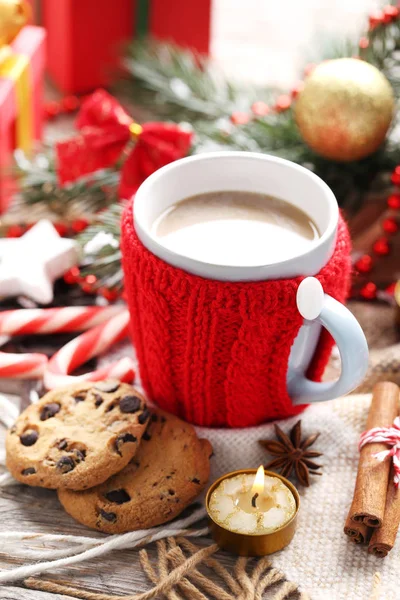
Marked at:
<point>22,366</point>
<point>27,321</point>
<point>86,346</point>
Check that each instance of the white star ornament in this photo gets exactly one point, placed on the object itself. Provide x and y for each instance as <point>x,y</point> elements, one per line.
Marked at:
<point>30,264</point>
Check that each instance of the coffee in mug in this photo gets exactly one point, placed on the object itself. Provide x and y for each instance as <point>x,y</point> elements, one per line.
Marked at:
<point>235,228</point>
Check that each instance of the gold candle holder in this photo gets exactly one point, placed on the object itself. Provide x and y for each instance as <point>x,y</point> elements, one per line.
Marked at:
<point>252,544</point>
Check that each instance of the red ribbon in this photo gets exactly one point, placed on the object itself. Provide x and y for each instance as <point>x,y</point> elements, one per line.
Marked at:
<point>105,133</point>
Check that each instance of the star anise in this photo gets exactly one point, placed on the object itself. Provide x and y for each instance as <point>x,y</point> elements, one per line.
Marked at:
<point>293,454</point>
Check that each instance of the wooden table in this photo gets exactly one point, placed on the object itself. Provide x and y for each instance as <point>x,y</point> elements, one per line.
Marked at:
<point>24,508</point>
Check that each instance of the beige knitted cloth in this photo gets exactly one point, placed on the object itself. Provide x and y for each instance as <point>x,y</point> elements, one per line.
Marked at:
<point>320,559</point>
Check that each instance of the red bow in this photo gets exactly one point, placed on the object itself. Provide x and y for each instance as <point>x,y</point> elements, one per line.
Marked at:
<point>106,131</point>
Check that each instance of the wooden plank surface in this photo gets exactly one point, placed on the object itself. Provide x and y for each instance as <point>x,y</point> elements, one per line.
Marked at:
<point>14,593</point>
<point>23,508</point>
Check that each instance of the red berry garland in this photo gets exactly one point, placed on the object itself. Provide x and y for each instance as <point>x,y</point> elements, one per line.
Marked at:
<point>15,231</point>
<point>381,247</point>
<point>390,226</point>
<point>72,276</point>
<point>79,225</point>
<point>364,264</point>
<point>240,118</point>
<point>396,176</point>
<point>260,109</point>
<point>66,105</point>
<point>109,294</point>
<point>88,284</point>
<point>283,103</point>
<point>394,202</point>
<point>369,291</point>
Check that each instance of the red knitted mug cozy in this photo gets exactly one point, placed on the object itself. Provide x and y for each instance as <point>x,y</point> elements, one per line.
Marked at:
<point>216,353</point>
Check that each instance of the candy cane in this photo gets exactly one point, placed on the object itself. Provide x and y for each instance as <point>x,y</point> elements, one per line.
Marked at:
<point>86,346</point>
<point>22,366</point>
<point>26,321</point>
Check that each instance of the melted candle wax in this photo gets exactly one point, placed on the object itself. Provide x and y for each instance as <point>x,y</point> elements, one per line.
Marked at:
<point>259,505</point>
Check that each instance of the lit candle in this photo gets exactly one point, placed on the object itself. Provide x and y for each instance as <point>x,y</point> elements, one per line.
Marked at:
<point>252,514</point>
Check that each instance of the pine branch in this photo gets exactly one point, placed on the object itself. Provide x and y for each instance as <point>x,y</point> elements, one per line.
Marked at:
<point>383,51</point>
<point>279,135</point>
<point>41,196</point>
<point>100,248</point>
<point>182,85</point>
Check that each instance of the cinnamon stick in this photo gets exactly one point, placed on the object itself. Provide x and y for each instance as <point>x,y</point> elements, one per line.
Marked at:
<point>369,499</point>
<point>382,540</point>
<point>358,532</point>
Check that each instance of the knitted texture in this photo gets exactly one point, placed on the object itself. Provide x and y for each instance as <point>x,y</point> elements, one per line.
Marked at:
<point>216,353</point>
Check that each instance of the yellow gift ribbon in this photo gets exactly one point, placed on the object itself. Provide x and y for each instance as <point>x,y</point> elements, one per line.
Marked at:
<point>16,67</point>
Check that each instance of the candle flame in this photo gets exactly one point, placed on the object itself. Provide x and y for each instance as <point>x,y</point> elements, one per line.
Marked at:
<point>258,485</point>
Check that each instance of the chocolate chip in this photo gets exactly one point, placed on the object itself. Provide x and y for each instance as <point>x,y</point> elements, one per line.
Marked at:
<point>171,492</point>
<point>154,418</point>
<point>108,516</point>
<point>28,471</point>
<point>98,400</point>
<point>80,455</point>
<point>163,419</point>
<point>62,444</point>
<point>79,398</point>
<point>144,416</point>
<point>146,436</point>
<point>108,386</point>
<point>118,496</point>
<point>29,438</point>
<point>49,410</point>
<point>196,480</point>
<point>124,439</point>
<point>66,464</point>
<point>129,404</point>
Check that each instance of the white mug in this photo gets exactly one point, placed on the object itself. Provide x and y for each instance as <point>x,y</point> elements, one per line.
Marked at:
<point>274,176</point>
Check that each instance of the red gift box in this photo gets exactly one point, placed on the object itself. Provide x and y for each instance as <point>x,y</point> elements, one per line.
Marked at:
<point>21,100</point>
<point>85,37</point>
<point>184,22</point>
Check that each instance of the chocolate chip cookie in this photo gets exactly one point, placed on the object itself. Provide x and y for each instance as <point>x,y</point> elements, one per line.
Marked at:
<point>77,437</point>
<point>169,470</point>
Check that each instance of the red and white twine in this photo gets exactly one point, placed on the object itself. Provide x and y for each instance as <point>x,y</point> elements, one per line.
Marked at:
<point>391,437</point>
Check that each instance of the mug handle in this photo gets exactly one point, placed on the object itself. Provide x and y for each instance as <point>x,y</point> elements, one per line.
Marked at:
<point>315,306</point>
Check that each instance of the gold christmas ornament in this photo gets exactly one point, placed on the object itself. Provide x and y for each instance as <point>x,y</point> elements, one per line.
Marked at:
<point>14,14</point>
<point>345,109</point>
